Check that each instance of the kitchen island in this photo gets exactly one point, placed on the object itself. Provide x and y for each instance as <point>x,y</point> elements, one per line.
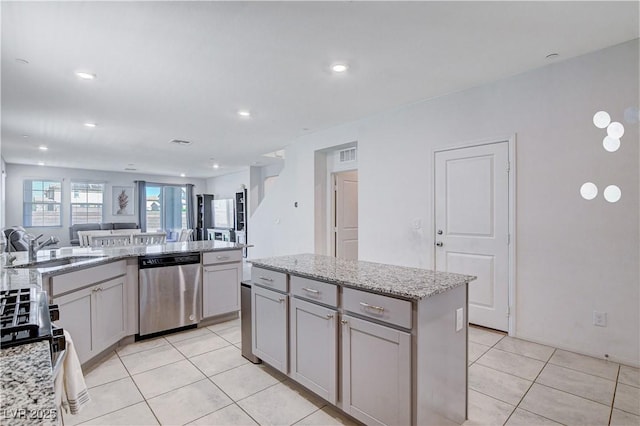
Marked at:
<point>386,344</point>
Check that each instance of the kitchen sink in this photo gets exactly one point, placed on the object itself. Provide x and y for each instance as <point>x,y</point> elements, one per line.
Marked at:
<point>52,263</point>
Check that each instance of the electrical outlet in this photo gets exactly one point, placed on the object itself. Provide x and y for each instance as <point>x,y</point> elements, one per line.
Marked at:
<point>459,318</point>
<point>599,319</point>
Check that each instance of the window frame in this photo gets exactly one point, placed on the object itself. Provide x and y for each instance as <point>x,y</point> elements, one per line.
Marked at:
<point>71,203</point>
<point>28,205</point>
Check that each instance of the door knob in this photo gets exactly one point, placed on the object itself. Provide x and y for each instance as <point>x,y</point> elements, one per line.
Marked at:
<point>439,243</point>
<point>439,232</point>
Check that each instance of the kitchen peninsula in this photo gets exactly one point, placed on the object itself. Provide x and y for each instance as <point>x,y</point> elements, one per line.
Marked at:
<point>386,344</point>
<point>97,288</point>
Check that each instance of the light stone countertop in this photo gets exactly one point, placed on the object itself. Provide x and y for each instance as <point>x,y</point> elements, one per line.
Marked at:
<point>26,385</point>
<point>392,280</point>
<point>12,277</point>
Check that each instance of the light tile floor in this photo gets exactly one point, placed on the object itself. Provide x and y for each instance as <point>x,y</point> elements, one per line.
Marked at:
<point>198,377</point>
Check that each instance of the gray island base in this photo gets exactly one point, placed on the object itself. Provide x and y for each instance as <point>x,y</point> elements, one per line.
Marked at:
<point>386,344</point>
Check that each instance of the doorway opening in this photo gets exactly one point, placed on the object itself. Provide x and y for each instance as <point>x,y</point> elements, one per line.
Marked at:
<point>336,201</point>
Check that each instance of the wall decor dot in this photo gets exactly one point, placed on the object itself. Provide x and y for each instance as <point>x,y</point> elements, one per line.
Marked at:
<point>611,144</point>
<point>612,193</point>
<point>588,190</point>
<point>601,119</point>
<point>615,130</point>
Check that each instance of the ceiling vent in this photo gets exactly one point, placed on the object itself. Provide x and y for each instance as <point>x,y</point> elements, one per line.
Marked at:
<point>180,142</point>
<point>347,155</point>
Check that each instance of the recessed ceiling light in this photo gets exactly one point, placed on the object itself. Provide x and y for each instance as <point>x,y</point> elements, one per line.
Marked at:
<point>92,125</point>
<point>40,163</point>
<point>42,148</point>
<point>182,175</point>
<point>85,75</point>
<point>552,55</point>
<point>339,68</point>
<point>244,113</point>
<point>216,166</point>
<point>130,169</point>
<point>25,136</point>
<point>22,61</point>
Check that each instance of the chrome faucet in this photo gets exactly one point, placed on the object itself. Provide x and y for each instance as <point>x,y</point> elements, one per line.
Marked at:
<point>34,246</point>
<point>10,258</point>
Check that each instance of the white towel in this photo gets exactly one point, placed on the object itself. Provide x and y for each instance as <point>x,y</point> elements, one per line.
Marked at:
<point>71,390</point>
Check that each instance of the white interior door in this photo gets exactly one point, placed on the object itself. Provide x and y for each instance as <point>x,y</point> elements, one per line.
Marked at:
<point>346,215</point>
<point>472,226</point>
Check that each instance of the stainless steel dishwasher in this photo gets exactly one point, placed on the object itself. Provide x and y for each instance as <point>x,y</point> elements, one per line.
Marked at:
<point>170,292</point>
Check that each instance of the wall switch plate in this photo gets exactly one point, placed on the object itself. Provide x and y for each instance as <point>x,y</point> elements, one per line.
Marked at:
<point>599,319</point>
<point>459,318</point>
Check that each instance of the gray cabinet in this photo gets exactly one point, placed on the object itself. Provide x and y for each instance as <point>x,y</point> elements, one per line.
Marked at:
<point>221,289</point>
<point>269,327</point>
<point>314,347</point>
<point>94,316</point>
<point>376,372</point>
<point>221,276</point>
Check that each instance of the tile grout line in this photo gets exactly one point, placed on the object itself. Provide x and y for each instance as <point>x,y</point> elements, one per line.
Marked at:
<point>529,388</point>
<point>153,413</point>
<point>613,400</point>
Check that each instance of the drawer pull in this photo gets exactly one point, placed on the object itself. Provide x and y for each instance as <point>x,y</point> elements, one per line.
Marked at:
<point>311,290</point>
<point>222,257</point>
<point>281,299</point>
<point>329,316</point>
<point>377,308</point>
<point>266,279</point>
<point>344,322</point>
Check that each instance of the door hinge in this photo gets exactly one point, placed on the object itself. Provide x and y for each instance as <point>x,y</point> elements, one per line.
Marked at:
<point>508,311</point>
<point>508,239</point>
<point>508,166</point>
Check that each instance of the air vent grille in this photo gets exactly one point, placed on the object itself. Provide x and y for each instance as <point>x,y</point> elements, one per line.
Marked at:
<point>347,155</point>
<point>180,142</point>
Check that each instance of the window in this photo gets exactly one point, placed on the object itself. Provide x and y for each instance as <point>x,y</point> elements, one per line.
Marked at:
<point>86,202</point>
<point>42,203</point>
<point>166,207</point>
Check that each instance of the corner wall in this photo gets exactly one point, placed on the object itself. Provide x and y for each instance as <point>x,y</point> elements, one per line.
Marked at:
<point>573,256</point>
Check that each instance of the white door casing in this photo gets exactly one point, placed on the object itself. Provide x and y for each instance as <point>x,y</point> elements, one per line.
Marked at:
<point>472,226</point>
<point>346,215</point>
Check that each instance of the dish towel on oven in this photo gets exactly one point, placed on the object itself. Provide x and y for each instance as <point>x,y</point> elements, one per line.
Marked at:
<point>71,390</point>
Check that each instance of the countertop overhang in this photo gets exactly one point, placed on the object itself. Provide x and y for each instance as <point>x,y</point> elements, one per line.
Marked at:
<point>398,281</point>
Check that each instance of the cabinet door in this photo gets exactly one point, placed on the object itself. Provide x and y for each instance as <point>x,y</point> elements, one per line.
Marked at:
<point>75,317</point>
<point>221,289</point>
<point>109,313</point>
<point>269,327</point>
<point>314,340</point>
<point>376,373</point>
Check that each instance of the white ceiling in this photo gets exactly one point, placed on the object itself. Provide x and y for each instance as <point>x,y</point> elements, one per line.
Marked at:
<point>182,70</point>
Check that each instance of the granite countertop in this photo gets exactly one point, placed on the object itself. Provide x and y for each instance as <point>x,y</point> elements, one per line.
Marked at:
<point>30,275</point>
<point>398,281</point>
<point>28,395</point>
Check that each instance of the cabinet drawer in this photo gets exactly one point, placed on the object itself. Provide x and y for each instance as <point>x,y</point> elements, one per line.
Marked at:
<point>270,279</point>
<point>78,279</point>
<point>383,308</point>
<point>213,257</point>
<point>314,290</point>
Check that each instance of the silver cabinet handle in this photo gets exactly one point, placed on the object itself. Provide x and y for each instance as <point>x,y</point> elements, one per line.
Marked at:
<point>95,290</point>
<point>439,244</point>
<point>311,290</point>
<point>344,321</point>
<point>329,316</point>
<point>281,300</point>
<point>266,279</point>
<point>222,257</point>
<point>377,308</point>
